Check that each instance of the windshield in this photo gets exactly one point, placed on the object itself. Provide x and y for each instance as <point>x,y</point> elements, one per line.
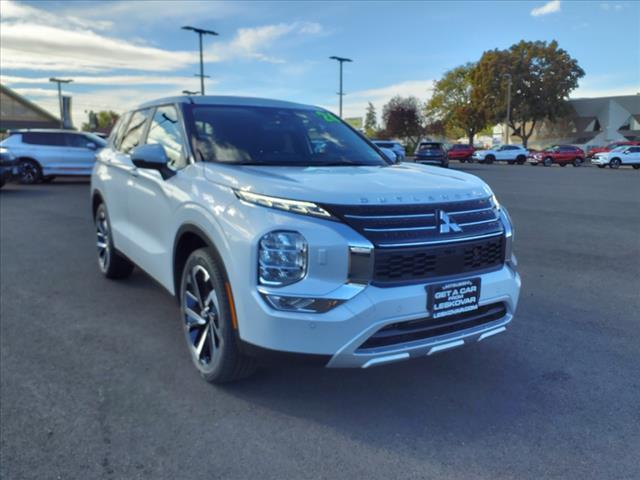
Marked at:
<point>249,135</point>
<point>620,148</point>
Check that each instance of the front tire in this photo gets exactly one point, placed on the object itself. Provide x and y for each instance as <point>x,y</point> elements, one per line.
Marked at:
<point>601,166</point>
<point>111,263</point>
<point>636,167</point>
<point>521,159</point>
<point>489,159</point>
<point>29,172</point>
<point>577,162</point>
<point>615,163</point>
<point>207,321</point>
<point>547,162</point>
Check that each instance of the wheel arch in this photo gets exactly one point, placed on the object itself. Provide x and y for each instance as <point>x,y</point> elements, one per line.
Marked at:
<point>96,199</point>
<point>190,237</point>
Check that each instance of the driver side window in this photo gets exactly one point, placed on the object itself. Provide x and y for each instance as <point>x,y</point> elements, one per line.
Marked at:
<point>166,130</point>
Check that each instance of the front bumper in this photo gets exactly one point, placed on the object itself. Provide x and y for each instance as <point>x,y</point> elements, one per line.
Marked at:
<point>8,169</point>
<point>599,161</point>
<point>340,333</point>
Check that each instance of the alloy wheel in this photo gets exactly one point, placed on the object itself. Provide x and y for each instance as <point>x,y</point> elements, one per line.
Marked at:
<point>201,317</point>
<point>102,240</point>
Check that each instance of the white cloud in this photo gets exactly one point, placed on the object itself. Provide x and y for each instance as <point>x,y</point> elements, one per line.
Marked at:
<point>593,92</point>
<point>551,6</point>
<point>611,6</point>
<point>355,103</point>
<point>109,80</point>
<point>251,43</point>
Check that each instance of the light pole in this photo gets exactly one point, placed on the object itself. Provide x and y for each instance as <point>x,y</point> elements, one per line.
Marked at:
<point>508,77</point>
<point>59,81</point>
<point>190,92</point>
<point>341,60</point>
<point>200,32</point>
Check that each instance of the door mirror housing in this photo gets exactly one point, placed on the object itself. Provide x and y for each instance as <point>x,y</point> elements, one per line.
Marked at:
<point>92,146</point>
<point>152,157</point>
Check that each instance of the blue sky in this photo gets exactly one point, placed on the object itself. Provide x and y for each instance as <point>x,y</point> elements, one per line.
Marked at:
<point>122,53</point>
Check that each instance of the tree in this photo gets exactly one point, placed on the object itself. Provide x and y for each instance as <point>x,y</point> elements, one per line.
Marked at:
<point>403,119</point>
<point>453,104</point>
<point>542,76</point>
<point>102,121</point>
<point>370,121</point>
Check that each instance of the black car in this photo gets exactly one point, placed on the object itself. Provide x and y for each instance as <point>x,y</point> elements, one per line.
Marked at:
<point>432,153</point>
<point>7,165</point>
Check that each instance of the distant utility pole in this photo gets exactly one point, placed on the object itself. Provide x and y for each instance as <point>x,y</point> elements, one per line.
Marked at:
<point>59,81</point>
<point>201,32</point>
<point>341,60</point>
<point>508,77</point>
<point>190,92</point>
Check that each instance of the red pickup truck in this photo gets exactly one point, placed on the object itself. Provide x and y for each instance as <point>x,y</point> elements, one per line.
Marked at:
<point>461,151</point>
<point>560,154</point>
<point>607,148</point>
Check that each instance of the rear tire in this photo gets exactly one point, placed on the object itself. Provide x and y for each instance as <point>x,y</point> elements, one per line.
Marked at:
<point>636,167</point>
<point>29,172</point>
<point>111,263</point>
<point>206,316</point>
<point>547,162</point>
<point>521,159</point>
<point>489,159</point>
<point>511,162</point>
<point>615,163</point>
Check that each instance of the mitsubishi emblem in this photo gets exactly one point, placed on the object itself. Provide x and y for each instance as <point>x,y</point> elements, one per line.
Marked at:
<point>446,224</point>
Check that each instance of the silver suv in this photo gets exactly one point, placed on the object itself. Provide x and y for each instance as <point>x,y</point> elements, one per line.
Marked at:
<point>43,154</point>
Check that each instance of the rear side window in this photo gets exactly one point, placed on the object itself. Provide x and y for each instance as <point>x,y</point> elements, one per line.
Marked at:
<point>166,130</point>
<point>133,134</point>
<point>76,140</point>
<point>51,139</point>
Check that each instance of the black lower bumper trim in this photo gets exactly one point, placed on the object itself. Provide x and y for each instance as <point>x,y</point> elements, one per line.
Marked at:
<point>279,357</point>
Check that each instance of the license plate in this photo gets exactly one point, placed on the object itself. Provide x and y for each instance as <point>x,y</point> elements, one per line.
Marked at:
<point>452,298</point>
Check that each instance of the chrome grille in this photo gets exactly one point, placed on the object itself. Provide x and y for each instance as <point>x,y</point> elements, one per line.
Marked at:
<point>388,226</point>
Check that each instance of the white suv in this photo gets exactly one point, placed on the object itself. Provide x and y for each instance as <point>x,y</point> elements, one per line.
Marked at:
<point>284,232</point>
<point>504,153</point>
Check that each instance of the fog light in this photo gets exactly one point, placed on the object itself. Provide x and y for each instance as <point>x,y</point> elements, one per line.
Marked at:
<point>282,258</point>
<point>301,304</point>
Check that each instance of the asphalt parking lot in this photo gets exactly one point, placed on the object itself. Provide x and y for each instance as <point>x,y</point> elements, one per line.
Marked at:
<point>96,381</point>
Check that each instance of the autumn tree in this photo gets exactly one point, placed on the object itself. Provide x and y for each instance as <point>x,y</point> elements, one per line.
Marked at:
<point>402,118</point>
<point>452,103</point>
<point>542,77</point>
<point>370,121</point>
<point>102,121</point>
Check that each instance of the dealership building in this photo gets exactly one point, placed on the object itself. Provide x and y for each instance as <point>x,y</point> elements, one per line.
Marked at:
<point>18,112</point>
<point>591,122</point>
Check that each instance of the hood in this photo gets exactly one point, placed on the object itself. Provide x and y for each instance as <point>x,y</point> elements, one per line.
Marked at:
<point>401,183</point>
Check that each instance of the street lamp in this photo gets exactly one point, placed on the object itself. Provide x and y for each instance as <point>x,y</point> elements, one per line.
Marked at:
<point>508,77</point>
<point>59,81</point>
<point>190,92</point>
<point>341,60</point>
<point>200,32</point>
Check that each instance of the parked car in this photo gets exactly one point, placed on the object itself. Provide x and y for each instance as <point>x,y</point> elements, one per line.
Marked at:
<point>432,153</point>
<point>42,154</point>
<point>461,151</point>
<point>397,148</point>
<point>594,150</point>
<point>504,153</point>
<point>8,165</point>
<point>623,155</point>
<point>391,155</point>
<point>336,257</point>
<point>563,155</point>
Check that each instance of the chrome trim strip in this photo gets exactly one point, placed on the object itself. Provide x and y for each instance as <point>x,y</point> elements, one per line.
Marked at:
<point>437,242</point>
<point>479,222</point>
<point>470,211</point>
<point>386,359</point>
<point>344,292</point>
<point>401,229</point>
<point>369,217</point>
<point>445,346</point>
<point>491,333</point>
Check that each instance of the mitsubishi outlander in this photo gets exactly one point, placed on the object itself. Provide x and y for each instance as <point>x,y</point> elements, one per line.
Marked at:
<point>282,231</point>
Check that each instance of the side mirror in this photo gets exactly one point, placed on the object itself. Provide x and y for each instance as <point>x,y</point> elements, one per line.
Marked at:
<point>152,157</point>
<point>92,146</point>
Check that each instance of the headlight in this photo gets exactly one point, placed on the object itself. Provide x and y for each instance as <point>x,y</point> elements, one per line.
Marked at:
<point>282,258</point>
<point>294,206</point>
